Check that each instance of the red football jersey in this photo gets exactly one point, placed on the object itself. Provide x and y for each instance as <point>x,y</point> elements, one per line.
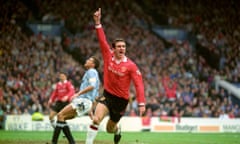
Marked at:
<point>62,90</point>
<point>118,75</point>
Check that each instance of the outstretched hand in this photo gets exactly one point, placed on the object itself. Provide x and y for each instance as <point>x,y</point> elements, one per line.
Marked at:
<point>97,17</point>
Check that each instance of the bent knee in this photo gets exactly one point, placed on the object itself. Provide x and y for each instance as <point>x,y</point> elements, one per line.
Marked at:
<point>110,129</point>
<point>111,126</point>
<point>60,117</point>
<point>51,116</point>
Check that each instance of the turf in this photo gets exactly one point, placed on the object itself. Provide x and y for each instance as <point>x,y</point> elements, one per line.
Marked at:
<point>38,137</point>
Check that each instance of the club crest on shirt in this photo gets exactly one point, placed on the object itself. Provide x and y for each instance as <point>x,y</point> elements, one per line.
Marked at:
<point>123,69</point>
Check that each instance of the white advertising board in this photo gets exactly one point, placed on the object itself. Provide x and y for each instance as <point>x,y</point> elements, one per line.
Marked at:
<point>134,124</point>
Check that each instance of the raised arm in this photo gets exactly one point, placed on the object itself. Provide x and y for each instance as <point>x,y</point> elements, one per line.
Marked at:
<point>105,47</point>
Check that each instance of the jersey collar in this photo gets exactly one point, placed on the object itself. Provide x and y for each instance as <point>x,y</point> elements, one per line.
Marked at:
<point>119,61</point>
<point>65,81</point>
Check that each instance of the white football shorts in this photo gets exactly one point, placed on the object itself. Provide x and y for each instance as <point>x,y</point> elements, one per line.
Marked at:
<point>82,105</point>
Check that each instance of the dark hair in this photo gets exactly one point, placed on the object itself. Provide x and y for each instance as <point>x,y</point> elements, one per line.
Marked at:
<point>117,40</point>
<point>64,72</point>
<point>96,61</point>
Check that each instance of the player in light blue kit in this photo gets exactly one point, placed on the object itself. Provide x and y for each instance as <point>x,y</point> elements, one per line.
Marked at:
<point>82,102</point>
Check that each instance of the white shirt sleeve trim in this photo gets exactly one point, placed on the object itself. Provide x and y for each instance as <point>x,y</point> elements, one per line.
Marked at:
<point>98,26</point>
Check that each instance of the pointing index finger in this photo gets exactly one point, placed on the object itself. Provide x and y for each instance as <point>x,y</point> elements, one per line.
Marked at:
<point>99,10</point>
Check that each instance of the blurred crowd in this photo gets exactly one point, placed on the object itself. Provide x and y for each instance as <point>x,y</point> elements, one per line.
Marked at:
<point>178,81</point>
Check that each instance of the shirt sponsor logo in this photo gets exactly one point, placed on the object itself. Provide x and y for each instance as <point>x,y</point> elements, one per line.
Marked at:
<point>62,90</point>
<point>115,71</point>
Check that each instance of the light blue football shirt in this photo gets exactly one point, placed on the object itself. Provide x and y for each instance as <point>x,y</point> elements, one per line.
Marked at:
<point>90,78</point>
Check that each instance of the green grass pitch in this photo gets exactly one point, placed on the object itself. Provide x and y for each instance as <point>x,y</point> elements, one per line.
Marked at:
<point>40,137</point>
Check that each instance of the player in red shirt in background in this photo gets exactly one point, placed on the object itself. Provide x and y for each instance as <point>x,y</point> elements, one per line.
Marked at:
<point>60,97</point>
<point>119,71</point>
